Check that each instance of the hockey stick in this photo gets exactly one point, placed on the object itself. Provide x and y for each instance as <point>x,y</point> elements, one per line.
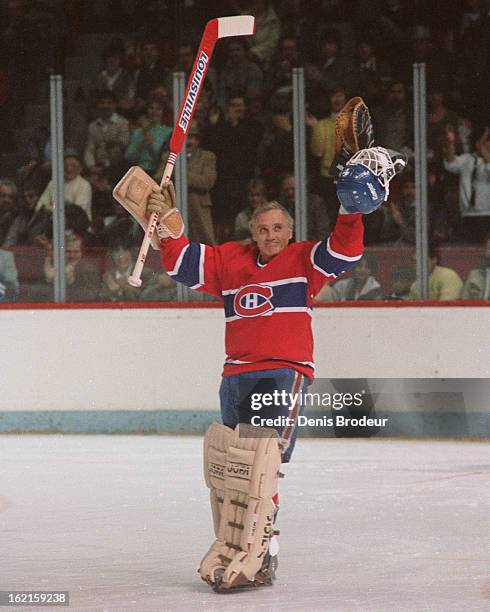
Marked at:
<point>222,27</point>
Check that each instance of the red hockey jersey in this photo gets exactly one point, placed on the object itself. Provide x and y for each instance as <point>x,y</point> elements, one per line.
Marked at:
<point>268,308</point>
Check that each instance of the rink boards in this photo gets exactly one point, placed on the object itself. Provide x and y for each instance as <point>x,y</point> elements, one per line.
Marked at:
<point>158,369</point>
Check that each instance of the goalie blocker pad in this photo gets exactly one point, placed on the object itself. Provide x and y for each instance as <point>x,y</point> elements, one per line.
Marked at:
<point>247,476</point>
<point>132,193</point>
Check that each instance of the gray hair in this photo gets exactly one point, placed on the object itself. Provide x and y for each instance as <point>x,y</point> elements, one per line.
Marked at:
<point>6,182</point>
<point>273,205</point>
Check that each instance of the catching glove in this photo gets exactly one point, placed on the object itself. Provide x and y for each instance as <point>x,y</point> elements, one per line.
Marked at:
<point>353,132</point>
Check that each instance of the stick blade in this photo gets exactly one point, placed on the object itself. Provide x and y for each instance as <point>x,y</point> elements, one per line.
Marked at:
<point>240,25</point>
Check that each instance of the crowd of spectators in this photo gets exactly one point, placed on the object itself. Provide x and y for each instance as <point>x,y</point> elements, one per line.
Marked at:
<point>240,146</point>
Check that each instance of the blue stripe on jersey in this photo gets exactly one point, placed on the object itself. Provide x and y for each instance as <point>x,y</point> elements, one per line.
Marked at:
<point>328,264</point>
<point>189,271</point>
<point>290,295</point>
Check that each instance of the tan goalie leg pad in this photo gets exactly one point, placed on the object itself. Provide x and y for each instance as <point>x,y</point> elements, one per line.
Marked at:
<point>251,478</point>
<point>217,439</point>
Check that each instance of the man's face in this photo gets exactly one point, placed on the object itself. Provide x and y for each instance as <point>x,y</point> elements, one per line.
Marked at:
<point>289,50</point>
<point>105,108</point>
<point>72,168</point>
<point>30,198</point>
<point>150,53</point>
<point>7,198</point>
<point>185,58</point>
<point>337,101</point>
<point>408,192</point>
<point>287,192</point>
<point>483,145</point>
<point>113,63</point>
<point>236,52</point>
<point>192,142</point>
<point>365,52</point>
<point>236,109</point>
<point>155,113</point>
<point>122,259</point>
<point>255,197</point>
<point>396,95</point>
<point>362,271</point>
<point>73,251</point>
<point>272,234</point>
<point>436,99</point>
<point>401,285</point>
<point>329,49</point>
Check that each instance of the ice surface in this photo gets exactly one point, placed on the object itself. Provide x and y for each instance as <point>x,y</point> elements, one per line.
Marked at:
<point>366,525</point>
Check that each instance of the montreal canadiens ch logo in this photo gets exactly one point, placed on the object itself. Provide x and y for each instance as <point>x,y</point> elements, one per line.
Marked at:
<point>253,301</point>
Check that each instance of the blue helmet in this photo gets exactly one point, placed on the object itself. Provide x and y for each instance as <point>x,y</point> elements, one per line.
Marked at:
<point>359,190</point>
<point>363,185</point>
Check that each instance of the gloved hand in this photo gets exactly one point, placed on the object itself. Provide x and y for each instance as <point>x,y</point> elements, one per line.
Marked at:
<point>160,200</point>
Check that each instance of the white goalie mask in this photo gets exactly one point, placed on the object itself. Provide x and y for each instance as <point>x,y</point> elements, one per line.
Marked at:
<point>385,164</point>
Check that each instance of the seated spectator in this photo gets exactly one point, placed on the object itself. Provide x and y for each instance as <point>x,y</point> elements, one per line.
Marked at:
<point>160,288</point>
<point>108,127</point>
<point>102,186</point>
<point>207,112</point>
<point>82,277</point>
<point>161,93</point>
<point>186,54</point>
<point>439,117</point>
<point>37,169</point>
<point>256,195</point>
<point>275,154</point>
<point>435,50</point>
<point>474,183</point>
<point>322,146</point>
<point>319,223</point>
<point>444,283</point>
<point>22,230</point>
<point>370,71</point>
<point>239,73</point>
<point>280,73</point>
<point>115,286</point>
<point>267,32</point>
<point>9,284</point>
<point>114,77</point>
<point>148,142</point>
<point>402,278</point>
<point>399,224</point>
<point>152,71</point>
<point>445,219</point>
<point>77,190</point>
<point>201,176</point>
<point>361,286</point>
<point>257,109</point>
<point>233,139</point>
<point>118,165</point>
<point>477,285</point>
<point>117,226</point>
<point>8,206</point>
<point>393,124</point>
<point>470,15</point>
<point>332,70</point>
